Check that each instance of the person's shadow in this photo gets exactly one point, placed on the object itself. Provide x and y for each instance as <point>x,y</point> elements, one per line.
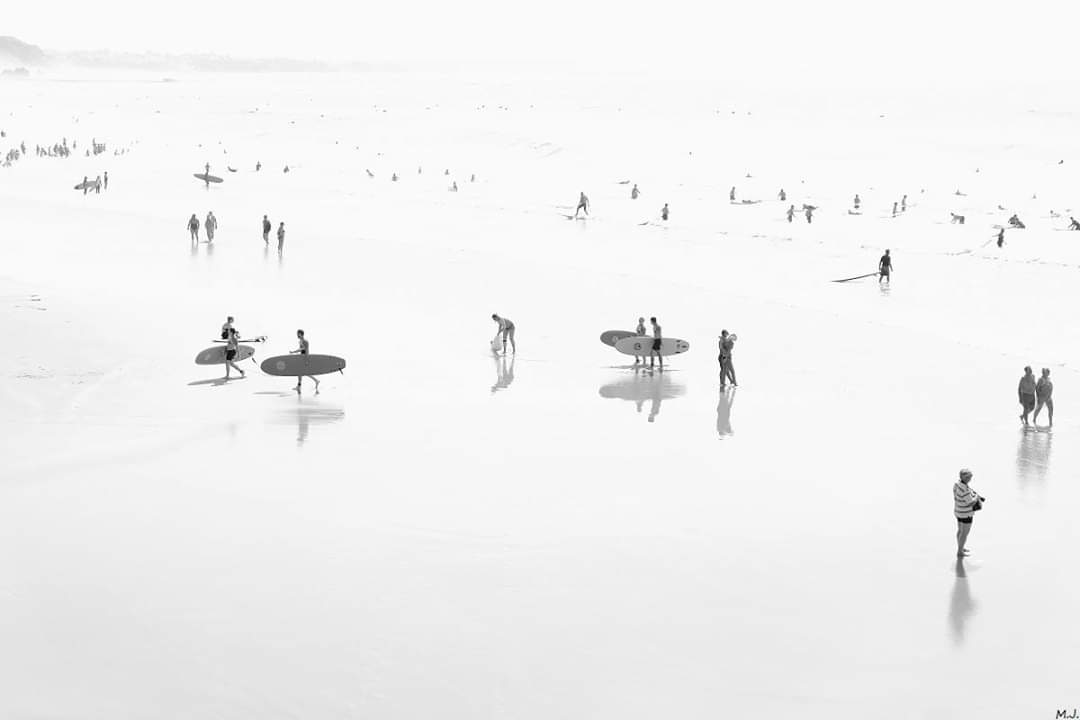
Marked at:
<point>961,605</point>
<point>723,411</point>
<point>504,374</point>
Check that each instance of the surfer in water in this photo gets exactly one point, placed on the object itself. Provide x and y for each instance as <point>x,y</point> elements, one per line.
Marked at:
<point>1044,389</point>
<point>266,229</point>
<point>885,268</point>
<point>1026,391</point>
<point>303,350</point>
<point>211,226</point>
<point>657,343</point>
<point>583,204</point>
<point>727,367</point>
<point>232,346</point>
<point>506,330</point>
<point>193,228</point>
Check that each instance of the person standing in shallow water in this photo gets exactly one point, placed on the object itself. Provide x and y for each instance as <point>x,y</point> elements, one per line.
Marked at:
<point>727,365</point>
<point>1044,390</point>
<point>1027,394</point>
<point>966,502</point>
<point>583,204</point>
<point>193,228</point>
<point>281,238</point>
<point>885,268</point>
<point>506,331</point>
<point>657,343</point>
<point>266,229</point>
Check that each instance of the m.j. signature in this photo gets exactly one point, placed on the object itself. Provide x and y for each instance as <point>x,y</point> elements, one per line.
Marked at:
<point>1067,715</point>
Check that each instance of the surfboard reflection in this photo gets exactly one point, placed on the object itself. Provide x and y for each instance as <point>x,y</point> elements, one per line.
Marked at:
<point>504,374</point>
<point>644,385</point>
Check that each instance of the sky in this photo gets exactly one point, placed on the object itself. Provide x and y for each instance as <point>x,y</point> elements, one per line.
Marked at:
<point>940,41</point>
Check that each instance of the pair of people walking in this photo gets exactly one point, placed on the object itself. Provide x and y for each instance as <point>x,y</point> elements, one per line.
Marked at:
<point>267,226</point>
<point>1035,395</point>
<point>210,225</point>
<point>727,366</point>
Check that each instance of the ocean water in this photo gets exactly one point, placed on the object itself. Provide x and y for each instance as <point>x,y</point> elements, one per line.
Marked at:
<point>556,532</point>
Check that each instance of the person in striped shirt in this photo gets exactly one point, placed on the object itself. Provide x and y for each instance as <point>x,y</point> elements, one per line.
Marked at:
<point>967,501</point>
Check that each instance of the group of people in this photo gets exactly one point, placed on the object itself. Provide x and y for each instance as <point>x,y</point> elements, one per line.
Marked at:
<point>211,226</point>
<point>267,226</point>
<point>99,184</point>
<point>231,336</point>
<point>1035,395</point>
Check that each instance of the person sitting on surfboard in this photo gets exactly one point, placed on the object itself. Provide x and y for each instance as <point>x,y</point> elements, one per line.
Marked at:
<point>506,330</point>
<point>232,346</point>
<point>303,350</point>
<point>885,267</point>
<point>657,343</point>
<point>583,204</point>
<point>193,228</point>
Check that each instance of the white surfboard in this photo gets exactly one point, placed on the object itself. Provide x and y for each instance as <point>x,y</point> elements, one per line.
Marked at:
<point>642,346</point>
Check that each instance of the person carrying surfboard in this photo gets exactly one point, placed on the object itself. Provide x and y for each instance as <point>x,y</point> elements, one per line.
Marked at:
<point>303,348</point>
<point>227,328</point>
<point>657,343</point>
<point>232,346</point>
<point>641,332</point>
<point>506,330</point>
<point>885,267</point>
<point>193,228</point>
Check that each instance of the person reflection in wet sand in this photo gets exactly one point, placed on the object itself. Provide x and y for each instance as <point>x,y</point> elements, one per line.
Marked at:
<point>723,411</point>
<point>961,606</point>
<point>504,374</point>
<point>1033,456</point>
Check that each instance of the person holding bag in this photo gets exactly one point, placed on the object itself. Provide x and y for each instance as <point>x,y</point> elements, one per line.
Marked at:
<point>966,503</point>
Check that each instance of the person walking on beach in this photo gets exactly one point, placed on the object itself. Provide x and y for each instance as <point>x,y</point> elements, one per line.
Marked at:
<point>634,193</point>
<point>858,202</point>
<point>97,185</point>
<point>106,179</point>
<point>657,343</point>
<point>727,365</point>
<point>1027,393</point>
<point>232,347</point>
<point>583,204</point>
<point>266,229</point>
<point>640,332</point>
<point>664,212</point>
<point>894,210</point>
<point>1001,237</point>
<point>731,194</point>
<point>193,228</point>
<point>783,196</point>
<point>885,268</point>
<point>809,213</point>
<point>303,349</point>
<point>211,226</point>
<point>506,330</point>
<point>227,328</point>
<point>1044,390</point>
<point>85,184</point>
<point>791,213</point>
<point>903,204</point>
<point>966,502</point>
<point>280,237</point>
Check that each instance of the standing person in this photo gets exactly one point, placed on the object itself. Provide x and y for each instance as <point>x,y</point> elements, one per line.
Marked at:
<point>85,184</point>
<point>193,228</point>
<point>903,204</point>
<point>657,343</point>
<point>1001,237</point>
<point>640,332</point>
<point>303,349</point>
<point>664,212</point>
<point>1027,393</point>
<point>1044,390</point>
<point>634,193</point>
<point>731,194</point>
<point>783,195</point>
<point>506,330</point>
<point>266,229</point>
<point>211,226</point>
<point>583,204</point>
<point>97,185</point>
<point>884,267</point>
<point>280,237</point>
<point>809,213</point>
<point>966,502</point>
<point>227,328</point>
<point>727,365</point>
<point>894,209</point>
<point>232,346</point>
<point>106,179</point>
<point>858,202</point>
<point>791,213</point>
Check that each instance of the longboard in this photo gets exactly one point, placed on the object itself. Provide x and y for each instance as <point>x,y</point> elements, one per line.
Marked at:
<point>610,337</point>
<point>216,355</point>
<point>642,346</point>
<point>857,277</point>
<point>297,365</point>
<point>208,178</point>
<point>89,185</point>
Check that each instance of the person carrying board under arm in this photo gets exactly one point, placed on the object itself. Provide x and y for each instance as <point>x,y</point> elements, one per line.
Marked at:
<point>641,332</point>
<point>303,350</point>
<point>232,346</point>
<point>657,343</point>
<point>506,330</point>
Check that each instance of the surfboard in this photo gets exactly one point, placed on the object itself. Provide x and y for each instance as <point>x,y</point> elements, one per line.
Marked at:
<point>216,355</point>
<point>642,346</point>
<point>610,337</point>
<point>296,365</point>
<point>88,184</point>
<point>208,178</point>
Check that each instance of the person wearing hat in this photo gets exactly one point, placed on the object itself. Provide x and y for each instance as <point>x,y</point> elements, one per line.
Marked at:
<point>966,503</point>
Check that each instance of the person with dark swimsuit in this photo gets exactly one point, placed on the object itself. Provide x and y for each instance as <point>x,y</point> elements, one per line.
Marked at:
<point>657,343</point>
<point>232,347</point>
<point>303,350</point>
